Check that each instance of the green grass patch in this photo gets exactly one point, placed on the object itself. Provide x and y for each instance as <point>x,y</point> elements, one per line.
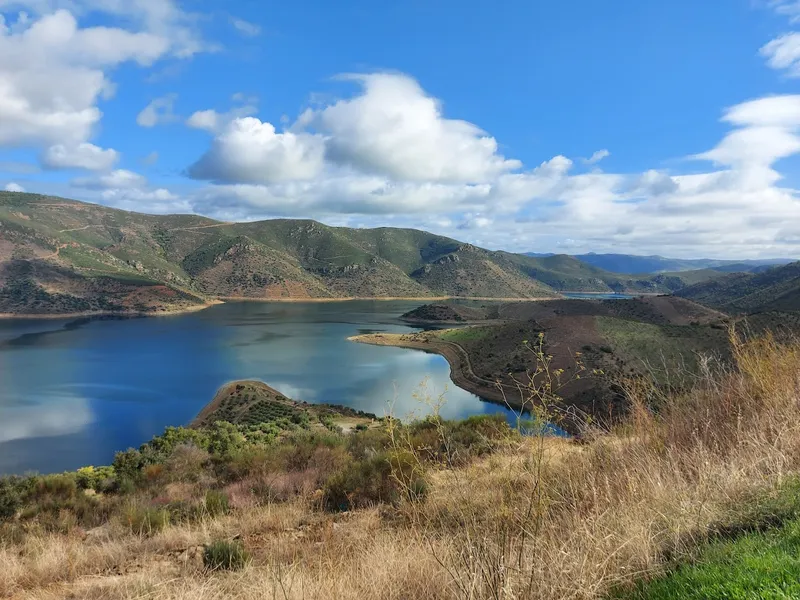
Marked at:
<point>665,351</point>
<point>755,566</point>
<point>754,556</point>
<point>467,334</point>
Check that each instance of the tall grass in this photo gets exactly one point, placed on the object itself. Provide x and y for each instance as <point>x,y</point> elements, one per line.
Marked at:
<point>522,517</point>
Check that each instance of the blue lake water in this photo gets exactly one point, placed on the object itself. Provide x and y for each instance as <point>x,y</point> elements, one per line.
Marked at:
<point>74,392</point>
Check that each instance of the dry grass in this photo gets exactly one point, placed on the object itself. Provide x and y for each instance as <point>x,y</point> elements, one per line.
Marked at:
<point>542,518</point>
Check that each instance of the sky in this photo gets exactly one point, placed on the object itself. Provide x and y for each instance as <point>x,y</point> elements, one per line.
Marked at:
<point>631,126</point>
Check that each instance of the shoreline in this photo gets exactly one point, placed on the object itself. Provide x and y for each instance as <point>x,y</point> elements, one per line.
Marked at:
<point>461,372</point>
<point>107,313</point>
<point>226,299</point>
<point>383,299</point>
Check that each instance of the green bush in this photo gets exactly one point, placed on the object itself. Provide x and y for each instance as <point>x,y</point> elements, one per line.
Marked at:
<point>128,464</point>
<point>95,478</point>
<point>363,444</point>
<point>10,499</point>
<point>385,478</point>
<point>217,503</point>
<point>145,520</point>
<point>224,555</point>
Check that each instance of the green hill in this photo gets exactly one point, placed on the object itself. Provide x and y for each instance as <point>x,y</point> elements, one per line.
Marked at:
<point>776,289</point>
<point>61,256</point>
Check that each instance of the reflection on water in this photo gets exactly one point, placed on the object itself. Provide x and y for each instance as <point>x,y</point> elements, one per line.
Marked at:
<point>72,393</point>
<point>58,414</point>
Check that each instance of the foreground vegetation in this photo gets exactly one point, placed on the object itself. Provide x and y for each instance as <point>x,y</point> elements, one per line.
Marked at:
<point>435,509</point>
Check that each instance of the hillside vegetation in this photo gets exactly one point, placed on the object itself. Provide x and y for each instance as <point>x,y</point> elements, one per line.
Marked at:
<point>776,289</point>
<point>632,264</point>
<point>436,509</point>
<point>658,337</point>
<point>64,256</point>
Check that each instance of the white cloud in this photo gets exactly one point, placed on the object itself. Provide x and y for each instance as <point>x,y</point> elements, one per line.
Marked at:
<point>395,129</point>
<point>158,111</point>
<point>598,156</point>
<point>54,72</point>
<point>51,77</point>
<point>129,191</point>
<point>788,8</point>
<point>249,151</point>
<point>120,178</point>
<point>163,19</point>
<point>208,120</point>
<point>735,207</point>
<point>81,156</point>
<point>783,53</point>
<point>245,27</point>
<point>215,122</point>
<point>14,187</point>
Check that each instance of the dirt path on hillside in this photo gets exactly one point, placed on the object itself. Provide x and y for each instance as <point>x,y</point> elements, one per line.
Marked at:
<point>77,228</point>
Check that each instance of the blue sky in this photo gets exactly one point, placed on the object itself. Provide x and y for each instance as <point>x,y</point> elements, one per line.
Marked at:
<point>631,126</point>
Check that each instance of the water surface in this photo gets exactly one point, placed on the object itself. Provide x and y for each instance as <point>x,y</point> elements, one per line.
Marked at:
<point>72,392</point>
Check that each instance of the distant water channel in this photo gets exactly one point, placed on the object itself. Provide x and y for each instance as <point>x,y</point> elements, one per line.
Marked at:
<point>72,392</point>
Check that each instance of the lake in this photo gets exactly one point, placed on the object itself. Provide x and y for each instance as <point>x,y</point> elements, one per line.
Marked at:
<point>73,392</point>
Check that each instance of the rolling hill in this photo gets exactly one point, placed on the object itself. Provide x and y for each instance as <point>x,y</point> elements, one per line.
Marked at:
<point>61,256</point>
<point>632,264</point>
<point>776,289</point>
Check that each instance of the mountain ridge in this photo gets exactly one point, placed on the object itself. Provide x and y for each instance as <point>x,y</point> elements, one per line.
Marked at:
<point>61,256</point>
<point>634,264</point>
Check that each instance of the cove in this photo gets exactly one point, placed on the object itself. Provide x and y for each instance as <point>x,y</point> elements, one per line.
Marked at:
<point>73,392</point>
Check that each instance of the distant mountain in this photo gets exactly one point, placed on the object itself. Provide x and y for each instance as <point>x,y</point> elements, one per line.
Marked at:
<point>634,265</point>
<point>776,289</point>
<point>61,256</point>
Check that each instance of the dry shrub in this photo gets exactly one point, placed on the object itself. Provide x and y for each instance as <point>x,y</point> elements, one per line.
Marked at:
<point>573,523</point>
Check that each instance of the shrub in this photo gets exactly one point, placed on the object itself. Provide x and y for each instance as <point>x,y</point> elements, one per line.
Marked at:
<point>224,555</point>
<point>386,477</point>
<point>216,503</point>
<point>186,463</point>
<point>95,478</point>
<point>128,464</point>
<point>10,500</point>
<point>363,444</point>
<point>145,520</point>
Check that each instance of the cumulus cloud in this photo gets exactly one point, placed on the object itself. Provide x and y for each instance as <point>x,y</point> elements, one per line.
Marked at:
<point>14,187</point>
<point>54,72</point>
<point>51,77</point>
<point>388,149</point>
<point>395,129</point>
<point>734,206</point>
<point>251,151</point>
<point>158,111</point>
<point>215,122</point>
<point>81,156</point>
